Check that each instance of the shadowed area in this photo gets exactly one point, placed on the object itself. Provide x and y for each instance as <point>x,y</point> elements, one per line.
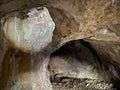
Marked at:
<point>85,43</point>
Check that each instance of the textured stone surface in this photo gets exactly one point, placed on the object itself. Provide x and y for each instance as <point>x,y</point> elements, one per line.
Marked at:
<point>95,21</point>
<point>26,37</point>
<point>32,33</point>
<point>81,84</point>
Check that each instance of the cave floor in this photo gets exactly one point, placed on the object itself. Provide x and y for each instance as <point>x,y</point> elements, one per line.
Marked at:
<point>80,84</point>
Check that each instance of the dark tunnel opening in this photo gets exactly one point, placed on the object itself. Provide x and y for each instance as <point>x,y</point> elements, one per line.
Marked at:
<point>78,57</point>
<point>79,49</point>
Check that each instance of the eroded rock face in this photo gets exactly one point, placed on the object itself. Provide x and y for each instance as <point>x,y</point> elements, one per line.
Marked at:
<point>95,21</point>
<point>32,33</point>
<point>27,36</point>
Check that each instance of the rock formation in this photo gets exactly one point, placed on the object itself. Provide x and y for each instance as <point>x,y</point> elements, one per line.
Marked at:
<point>94,23</point>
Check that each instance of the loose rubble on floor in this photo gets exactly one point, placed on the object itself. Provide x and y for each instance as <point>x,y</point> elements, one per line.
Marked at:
<point>80,84</point>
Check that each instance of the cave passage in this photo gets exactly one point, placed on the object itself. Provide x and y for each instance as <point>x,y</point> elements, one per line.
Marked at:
<point>77,60</point>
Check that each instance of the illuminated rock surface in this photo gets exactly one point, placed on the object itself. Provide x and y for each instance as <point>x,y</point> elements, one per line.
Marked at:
<point>32,33</point>
<point>94,21</point>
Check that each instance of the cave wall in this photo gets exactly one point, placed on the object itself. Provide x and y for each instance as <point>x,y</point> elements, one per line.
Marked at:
<point>96,21</point>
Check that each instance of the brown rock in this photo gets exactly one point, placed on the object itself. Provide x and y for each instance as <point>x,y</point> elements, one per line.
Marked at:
<point>94,21</point>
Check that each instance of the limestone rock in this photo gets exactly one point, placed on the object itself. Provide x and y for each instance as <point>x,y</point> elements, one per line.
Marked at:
<point>32,33</point>
<point>94,21</point>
